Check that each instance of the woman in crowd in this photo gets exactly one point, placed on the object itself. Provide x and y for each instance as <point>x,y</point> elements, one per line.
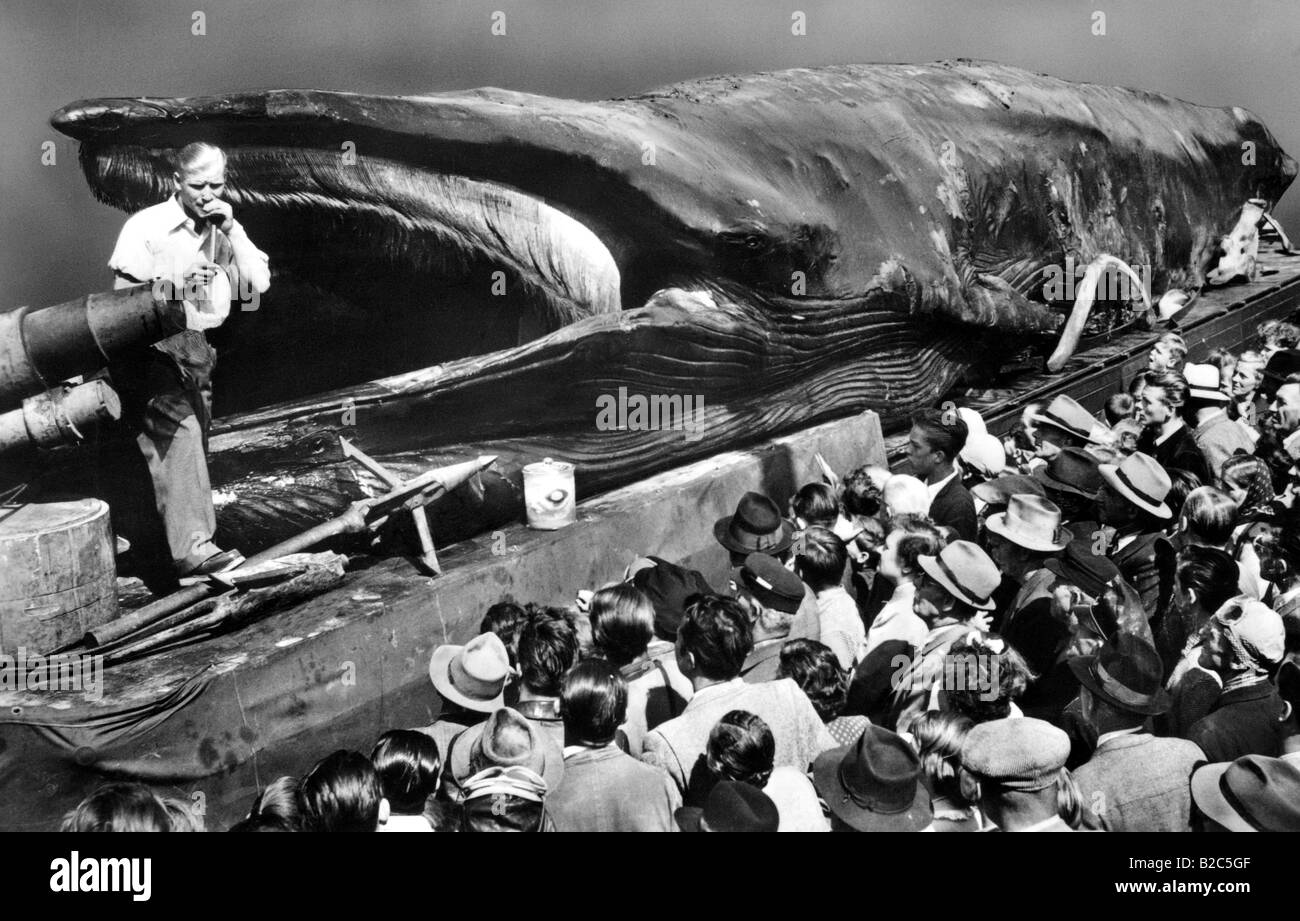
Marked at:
<point>815,669</point>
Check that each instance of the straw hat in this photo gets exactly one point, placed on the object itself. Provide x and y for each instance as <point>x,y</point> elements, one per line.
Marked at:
<point>1031,522</point>
<point>1142,481</point>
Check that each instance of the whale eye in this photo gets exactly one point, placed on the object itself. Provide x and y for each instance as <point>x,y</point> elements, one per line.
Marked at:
<point>749,241</point>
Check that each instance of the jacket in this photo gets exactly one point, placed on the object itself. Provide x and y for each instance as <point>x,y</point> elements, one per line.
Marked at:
<point>1179,451</point>
<point>1244,721</point>
<point>1137,563</point>
<point>954,507</point>
<point>763,660</point>
<point>606,790</point>
<point>1219,438</point>
<point>678,746</point>
<point>1137,782</point>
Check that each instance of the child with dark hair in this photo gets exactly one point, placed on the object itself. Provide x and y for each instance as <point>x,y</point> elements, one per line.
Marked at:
<point>548,647</point>
<point>342,793</point>
<point>815,505</point>
<point>409,767</point>
<point>119,807</point>
<point>603,788</point>
<point>741,749</point>
<point>820,563</point>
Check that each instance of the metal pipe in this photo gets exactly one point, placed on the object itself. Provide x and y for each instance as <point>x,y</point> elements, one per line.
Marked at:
<point>40,348</point>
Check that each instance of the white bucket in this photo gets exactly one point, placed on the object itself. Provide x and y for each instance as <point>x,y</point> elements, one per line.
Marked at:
<point>549,495</point>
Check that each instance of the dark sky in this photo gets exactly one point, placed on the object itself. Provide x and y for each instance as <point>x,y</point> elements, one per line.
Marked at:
<point>55,239</point>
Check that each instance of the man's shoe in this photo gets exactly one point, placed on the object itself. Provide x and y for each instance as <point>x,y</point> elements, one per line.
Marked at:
<point>218,562</point>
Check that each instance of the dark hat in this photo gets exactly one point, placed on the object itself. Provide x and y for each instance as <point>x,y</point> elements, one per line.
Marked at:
<point>1279,367</point>
<point>874,784</point>
<point>1000,489</point>
<point>1126,673</point>
<point>1073,470</point>
<point>1021,753</point>
<point>771,583</point>
<point>731,806</point>
<point>1253,793</point>
<point>1081,567</point>
<point>507,739</point>
<point>668,586</point>
<point>757,525</point>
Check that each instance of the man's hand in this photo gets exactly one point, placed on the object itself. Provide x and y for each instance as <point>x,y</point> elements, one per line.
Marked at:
<point>221,214</point>
<point>199,274</point>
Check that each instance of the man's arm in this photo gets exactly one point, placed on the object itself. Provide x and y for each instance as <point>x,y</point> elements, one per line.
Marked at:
<point>656,750</point>
<point>252,263</point>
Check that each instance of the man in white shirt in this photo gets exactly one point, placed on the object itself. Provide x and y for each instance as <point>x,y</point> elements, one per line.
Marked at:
<point>189,247</point>
<point>820,563</point>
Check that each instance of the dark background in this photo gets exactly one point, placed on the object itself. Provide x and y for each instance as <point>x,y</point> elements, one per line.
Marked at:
<point>55,238</point>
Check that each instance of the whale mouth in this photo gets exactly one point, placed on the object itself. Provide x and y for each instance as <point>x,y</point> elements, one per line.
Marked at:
<point>380,266</point>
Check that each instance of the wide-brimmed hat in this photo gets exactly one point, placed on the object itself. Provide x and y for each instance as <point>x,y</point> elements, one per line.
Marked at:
<point>966,572</point>
<point>1081,567</point>
<point>1031,522</point>
<point>1073,470</point>
<point>1141,480</point>
<point>1068,415</point>
<point>874,784</point>
<point>731,806</point>
<point>999,490</point>
<point>1253,793</point>
<point>669,586</point>
<point>1203,383</point>
<point>506,739</point>
<point>757,525</point>
<point>1126,673</point>
<point>1020,753</point>
<point>474,675</point>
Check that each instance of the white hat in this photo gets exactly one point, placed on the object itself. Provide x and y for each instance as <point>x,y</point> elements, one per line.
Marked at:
<point>1203,383</point>
<point>984,454</point>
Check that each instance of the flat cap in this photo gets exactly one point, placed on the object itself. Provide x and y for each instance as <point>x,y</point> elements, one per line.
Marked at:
<point>1018,752</point>
<point>771,583</point>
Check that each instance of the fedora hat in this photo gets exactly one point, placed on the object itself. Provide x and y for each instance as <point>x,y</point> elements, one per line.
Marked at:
<point>669,586</point>
<point>966,572</point>
<point>756,525</point>
<point>1126,673</point>
<point>1073,470</point>
<point>1142,481</point>
<point>1280,365</point>
<point>1253,793</point>
<point>1031,522</point>
<point>999,490</point>
<point>473,675</point>
<point>874,784</point>
<point>506,739</point>
<point>1068,415</point>
<point>1203,383</point>
<point>1079,566</point>
<point>731,807</point>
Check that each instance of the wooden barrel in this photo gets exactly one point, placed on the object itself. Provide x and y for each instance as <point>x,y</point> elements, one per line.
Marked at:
<point>57,574</point>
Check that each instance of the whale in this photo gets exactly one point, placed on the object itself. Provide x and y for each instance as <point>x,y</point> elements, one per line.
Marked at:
<point>480,271</point>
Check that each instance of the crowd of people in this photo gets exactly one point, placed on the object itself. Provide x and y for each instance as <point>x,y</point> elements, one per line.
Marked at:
<point>1093,623</point>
